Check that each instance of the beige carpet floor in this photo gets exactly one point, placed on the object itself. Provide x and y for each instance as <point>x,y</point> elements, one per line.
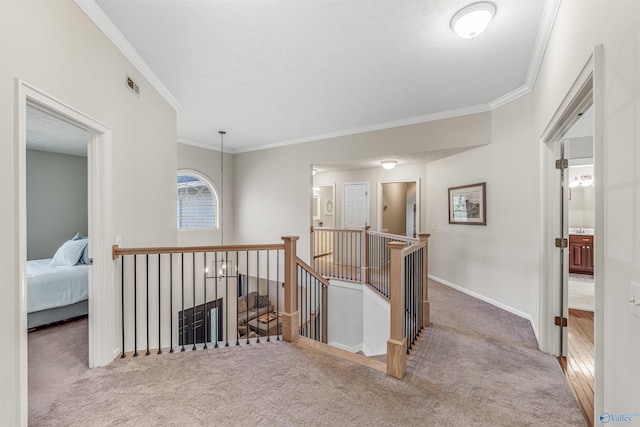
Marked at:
<point>476,365</point>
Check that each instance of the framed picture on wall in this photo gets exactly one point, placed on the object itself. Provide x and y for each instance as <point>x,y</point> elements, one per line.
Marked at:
<point>328,207</point>
<point>467,204</point>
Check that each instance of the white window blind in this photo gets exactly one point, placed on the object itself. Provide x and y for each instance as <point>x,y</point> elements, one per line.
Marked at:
<point>196,203</point>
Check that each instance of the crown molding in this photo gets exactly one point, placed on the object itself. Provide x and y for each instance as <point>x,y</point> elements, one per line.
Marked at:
<point>102,21</point>
<point>549,14</point>
<point>511,96</point>
<point>205,145</point>
<point>542,40</point>
<point>97,15</point>
<point>483,108</point>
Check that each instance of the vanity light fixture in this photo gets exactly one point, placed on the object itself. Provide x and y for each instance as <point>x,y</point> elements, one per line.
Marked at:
<point>583,181</point>
<point>389,164</point>
<point>473,19</point>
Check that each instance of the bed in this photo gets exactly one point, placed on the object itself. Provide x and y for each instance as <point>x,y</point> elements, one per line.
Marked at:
<point>56,290</point>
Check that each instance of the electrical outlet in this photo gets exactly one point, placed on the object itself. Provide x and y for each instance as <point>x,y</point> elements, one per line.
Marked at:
<point>433,225</point>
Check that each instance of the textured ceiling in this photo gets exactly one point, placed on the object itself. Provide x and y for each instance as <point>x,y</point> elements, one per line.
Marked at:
<point>48,133</point>
<point>279,72</point>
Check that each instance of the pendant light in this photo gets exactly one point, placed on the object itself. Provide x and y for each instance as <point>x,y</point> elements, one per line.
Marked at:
<point>223,267</point>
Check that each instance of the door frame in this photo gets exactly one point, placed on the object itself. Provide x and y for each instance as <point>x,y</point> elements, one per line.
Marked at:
<point>587,89</point>
<point>418,201</point>
<point>102,338</point>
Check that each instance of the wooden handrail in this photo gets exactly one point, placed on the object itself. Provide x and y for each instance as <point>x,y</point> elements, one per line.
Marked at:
<point>342,230</point>
<point>394,236</point>
<point>414,247</point>
<point>311,271</point>
<point>118,251</point>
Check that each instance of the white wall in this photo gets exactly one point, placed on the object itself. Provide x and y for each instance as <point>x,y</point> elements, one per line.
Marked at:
<point>322,194</point>
<point>56,201</point>
<point>207,162</point>
<point>345,315</point>
<point>499,261</point>
<point>273,187</point>
<point>376,314</point>
<point>373,176</point>
<point>57,49</point>
<point>580,26</point>
<point>358,318</point>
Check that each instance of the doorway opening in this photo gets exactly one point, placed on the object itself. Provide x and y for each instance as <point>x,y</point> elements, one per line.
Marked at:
<point>578,359</point>
<point>398,207</point>
<point>323,208</point>
<point>572,227</point>
<point>57,255</point>
<point>102,322</point>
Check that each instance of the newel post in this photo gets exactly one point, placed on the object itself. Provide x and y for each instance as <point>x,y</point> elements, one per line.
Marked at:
<point>364,252</point>
<point>397,343</point>
<point>425,279</point>
<point>290,320</point>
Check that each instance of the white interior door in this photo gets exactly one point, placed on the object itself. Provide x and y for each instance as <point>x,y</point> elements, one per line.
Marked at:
<point>562,153</point>
<point>355,205</point>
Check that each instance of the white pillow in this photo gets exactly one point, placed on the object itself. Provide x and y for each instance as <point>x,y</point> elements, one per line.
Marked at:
<point>84,258</point>
<point>69,253</point>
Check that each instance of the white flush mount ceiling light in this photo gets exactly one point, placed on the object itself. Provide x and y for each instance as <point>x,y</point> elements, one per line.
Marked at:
<point>473,19</point>
<point>389,164</point>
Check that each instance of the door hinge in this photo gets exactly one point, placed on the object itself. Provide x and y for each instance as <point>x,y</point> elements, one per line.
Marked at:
<point>562,243</point>
<point>562,163</point>
<point>560,321</point>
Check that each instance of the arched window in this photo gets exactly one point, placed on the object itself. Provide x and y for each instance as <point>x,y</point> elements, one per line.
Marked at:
<point>197,202</point>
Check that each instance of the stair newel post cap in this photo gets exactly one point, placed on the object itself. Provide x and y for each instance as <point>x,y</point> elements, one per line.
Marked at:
<point>396,245</point>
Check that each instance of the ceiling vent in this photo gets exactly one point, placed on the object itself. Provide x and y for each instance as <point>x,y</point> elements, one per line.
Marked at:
<point>133,86</point>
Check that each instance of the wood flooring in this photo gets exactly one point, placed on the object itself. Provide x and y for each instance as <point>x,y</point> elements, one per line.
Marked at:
<point>578,365</point>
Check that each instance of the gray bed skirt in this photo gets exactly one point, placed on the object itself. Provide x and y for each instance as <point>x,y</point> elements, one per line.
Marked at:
<point>44,317</point>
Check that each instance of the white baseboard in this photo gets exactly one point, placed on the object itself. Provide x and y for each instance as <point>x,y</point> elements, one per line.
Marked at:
<point>535,332</point>
<point>368,352</point>
<point>505,307</point>
<point>354,349</point>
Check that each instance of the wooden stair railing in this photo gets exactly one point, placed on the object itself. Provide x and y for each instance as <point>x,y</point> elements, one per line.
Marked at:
<point>408,317</point>
<point>400,338</point>
<point>166,291</point>
<point>318,308</point>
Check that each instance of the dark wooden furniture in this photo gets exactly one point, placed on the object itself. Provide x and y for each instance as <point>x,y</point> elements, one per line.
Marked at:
<point>580,254</point>
<point>191,322</point>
